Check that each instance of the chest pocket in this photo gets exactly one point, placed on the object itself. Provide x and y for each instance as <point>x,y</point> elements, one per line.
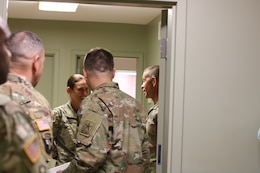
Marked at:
<point>68,131</point>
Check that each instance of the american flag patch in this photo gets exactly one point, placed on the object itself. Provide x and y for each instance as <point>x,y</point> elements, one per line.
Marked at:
<point>32,149</point>
<point>42,124</point>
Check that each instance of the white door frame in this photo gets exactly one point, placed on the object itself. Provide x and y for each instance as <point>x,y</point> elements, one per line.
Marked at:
<point>3,9</point>
<point>171,91</point>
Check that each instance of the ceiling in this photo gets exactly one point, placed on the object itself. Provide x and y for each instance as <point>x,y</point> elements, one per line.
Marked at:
<point>85,12</point>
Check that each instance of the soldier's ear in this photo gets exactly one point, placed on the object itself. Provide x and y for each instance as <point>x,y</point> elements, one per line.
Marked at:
<point>68,90</point>
<point>35,64</point>
<point>154,81</point>
<point>85,73</point>
<point>113,73</point>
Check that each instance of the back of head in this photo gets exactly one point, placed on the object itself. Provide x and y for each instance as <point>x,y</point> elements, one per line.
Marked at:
<point>4,52</point>
<point>24,45</point>
<point>99,60</point>
<point>27,55</point>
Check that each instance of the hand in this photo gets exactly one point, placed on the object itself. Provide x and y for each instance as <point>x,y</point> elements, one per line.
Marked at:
<point>60,171</point>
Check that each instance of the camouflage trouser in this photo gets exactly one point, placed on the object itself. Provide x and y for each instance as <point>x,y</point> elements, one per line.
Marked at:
<point>153,166</point>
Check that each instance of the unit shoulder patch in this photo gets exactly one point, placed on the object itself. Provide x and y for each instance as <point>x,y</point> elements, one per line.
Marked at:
<point>88,130</point>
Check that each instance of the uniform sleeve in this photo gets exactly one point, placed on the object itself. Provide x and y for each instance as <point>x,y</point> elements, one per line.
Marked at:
<point>93,144</point>
<point>145,147</point>
<point>55,130</point>
<point>146,154</point>
<point>151,125</point>
<point>20,147</point>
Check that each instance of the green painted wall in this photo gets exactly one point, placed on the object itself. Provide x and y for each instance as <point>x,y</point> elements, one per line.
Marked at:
<point>153,51</point>
<point>67,37</point>
<point>153,43</point>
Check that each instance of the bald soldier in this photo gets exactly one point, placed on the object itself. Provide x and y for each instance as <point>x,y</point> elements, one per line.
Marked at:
<point>20,147</point>
<point>26,67</point>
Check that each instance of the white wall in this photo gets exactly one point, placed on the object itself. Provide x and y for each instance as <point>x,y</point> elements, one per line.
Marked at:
<point>221,96</point>
<point>3,9</point>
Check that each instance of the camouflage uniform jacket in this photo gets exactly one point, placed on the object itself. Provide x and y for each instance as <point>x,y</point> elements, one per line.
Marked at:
<point>65,124</point>
<point>20,148</point>
<point>151,129</point>
<point>22,91</point>
<point>111,136</point>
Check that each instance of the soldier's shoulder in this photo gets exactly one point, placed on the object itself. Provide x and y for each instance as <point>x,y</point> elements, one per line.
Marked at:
<point>59,109</point>
<point>12,113</point>
<point>90,102</point>
<point>60,112</point>
<point>39,97</point>
<point>5,89</point>
<point>4,99</point>
<point>9,105</point>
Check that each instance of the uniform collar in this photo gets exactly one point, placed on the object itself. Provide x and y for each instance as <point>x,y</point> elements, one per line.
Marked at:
<point>19,79</point>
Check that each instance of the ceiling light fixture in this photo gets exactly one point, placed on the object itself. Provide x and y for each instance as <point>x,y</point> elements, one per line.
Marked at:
<point>58,6</point>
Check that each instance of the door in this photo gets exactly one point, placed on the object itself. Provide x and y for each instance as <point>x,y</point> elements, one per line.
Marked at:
<point>165,121</point>
<point>47,77</point>
<point>50,77</point>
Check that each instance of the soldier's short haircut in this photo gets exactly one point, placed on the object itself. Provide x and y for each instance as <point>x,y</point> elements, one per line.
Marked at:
<point>99,59</point>
<point>153,71</point>
<point>24,44</point>
<point>74,79</point>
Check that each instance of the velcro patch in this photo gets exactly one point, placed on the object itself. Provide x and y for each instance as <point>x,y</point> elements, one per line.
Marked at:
<point>32,149</point>
<point>89,128</point>
<point>42,124</point>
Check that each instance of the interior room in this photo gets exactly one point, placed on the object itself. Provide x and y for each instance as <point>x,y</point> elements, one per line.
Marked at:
<point>209,113</point>
<point>129,32</point>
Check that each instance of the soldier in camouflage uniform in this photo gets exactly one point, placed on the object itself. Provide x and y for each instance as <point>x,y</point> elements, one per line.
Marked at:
<point>111,137</point>
<point>20,148</point>
<point>65,120</point>
<point>150,87</point>
<point>26,66</point>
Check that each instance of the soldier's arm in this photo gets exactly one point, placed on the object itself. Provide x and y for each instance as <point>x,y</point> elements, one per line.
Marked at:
<point>93,144</point>
<point>56,117</point>
<point>145,148</point>
<point>146,154</point>
<point>20,148</point>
